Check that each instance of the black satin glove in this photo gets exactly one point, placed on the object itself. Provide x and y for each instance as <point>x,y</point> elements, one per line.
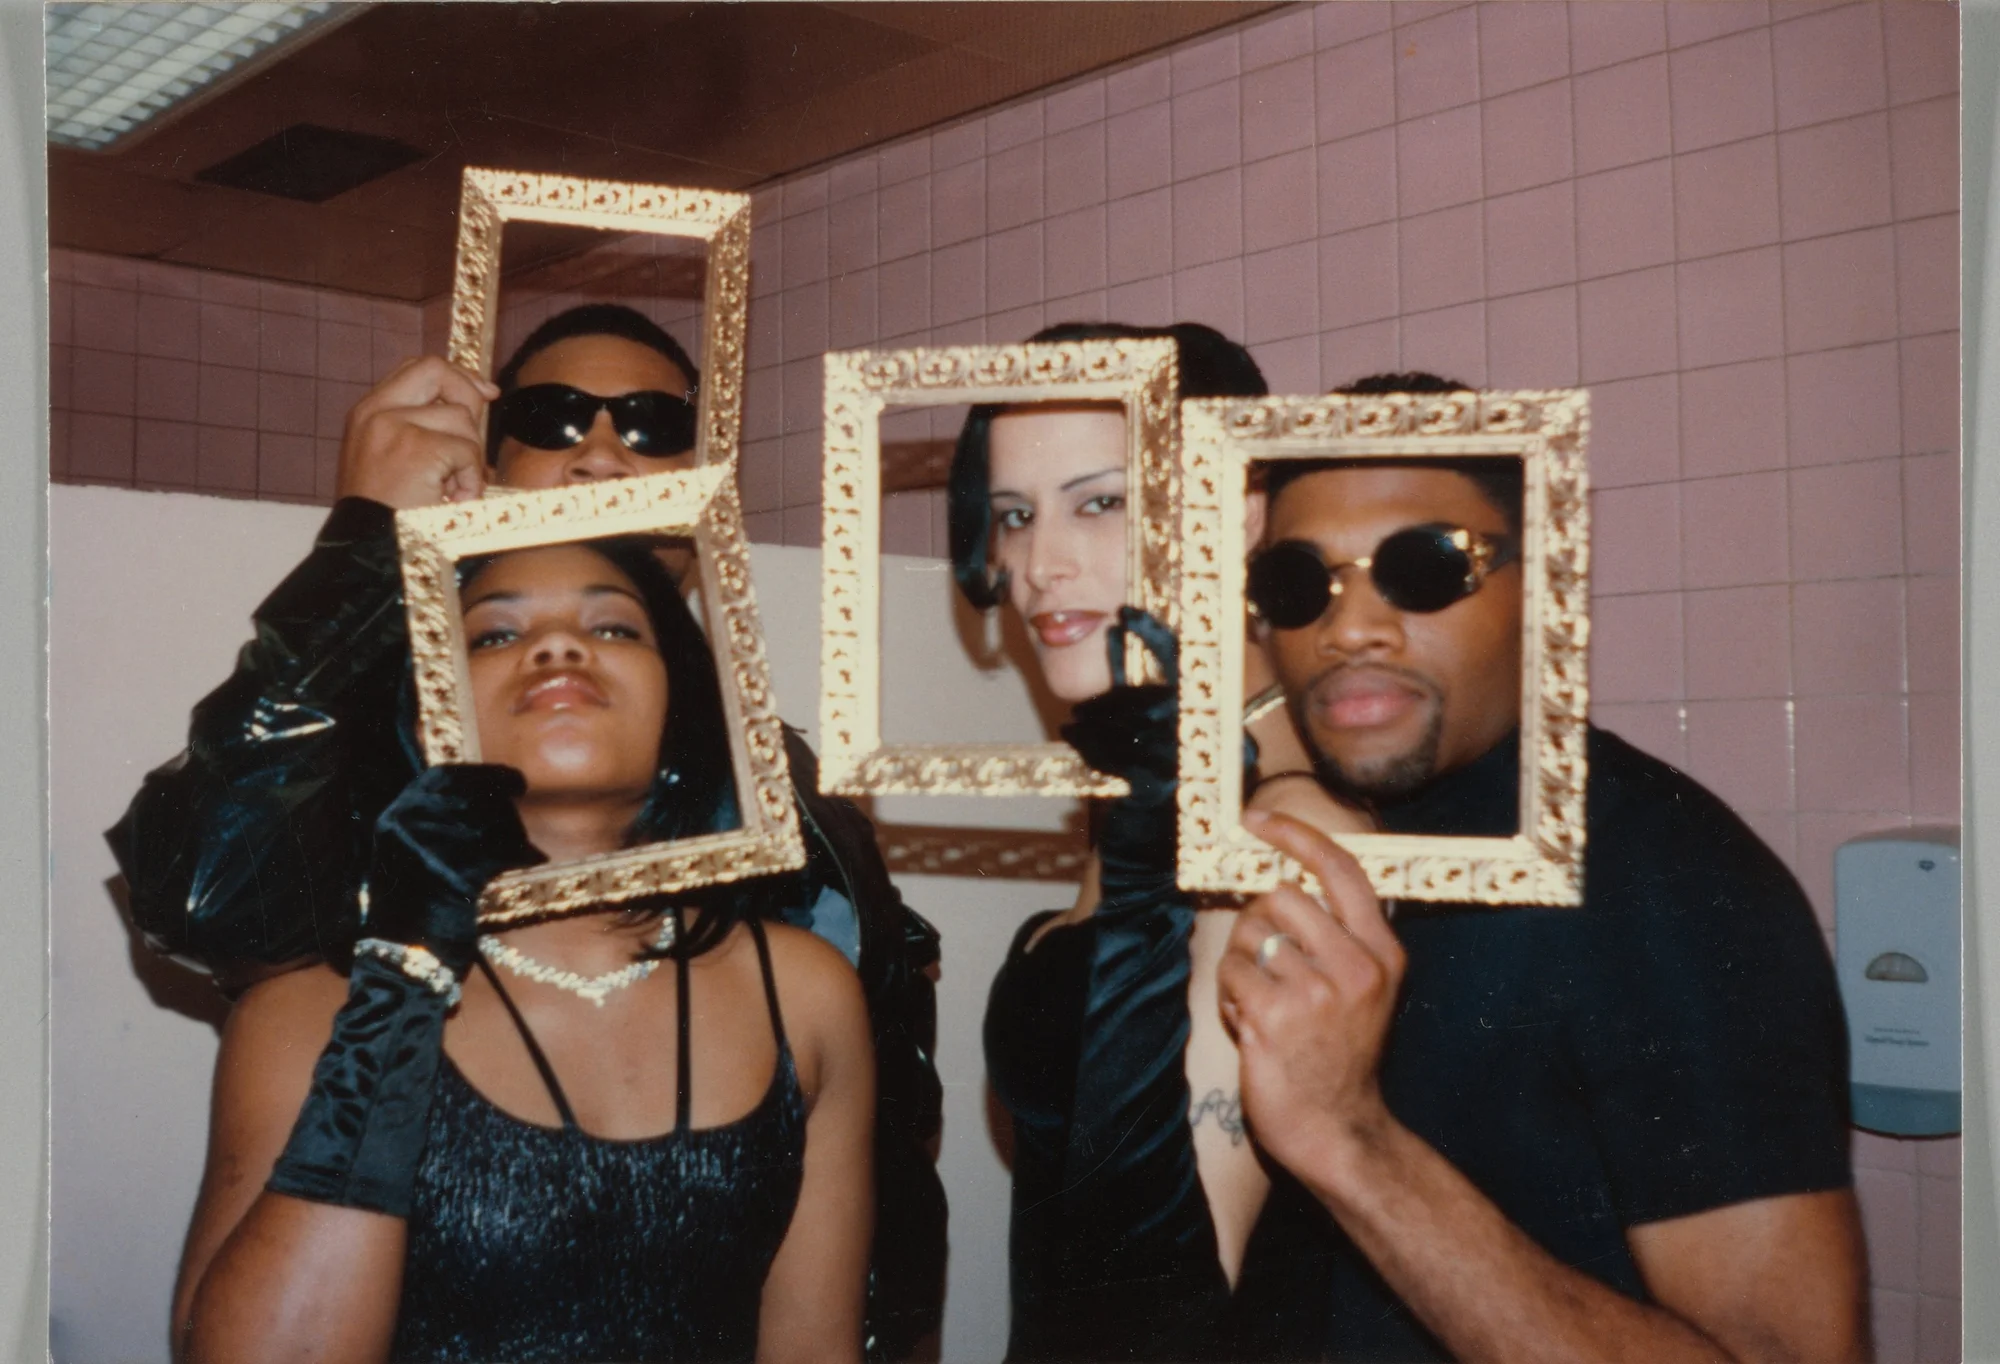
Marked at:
<point>360,1135</point>
<point>1134,732</point>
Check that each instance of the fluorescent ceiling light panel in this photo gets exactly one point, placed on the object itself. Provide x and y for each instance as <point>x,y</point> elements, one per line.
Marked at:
<point>112,68</point>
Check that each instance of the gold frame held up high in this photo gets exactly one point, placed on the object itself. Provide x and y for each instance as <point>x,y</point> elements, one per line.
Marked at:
<point>1542,864</point>
<point>1143,375</point>
<point>489,199</point>
<point>701,503</point>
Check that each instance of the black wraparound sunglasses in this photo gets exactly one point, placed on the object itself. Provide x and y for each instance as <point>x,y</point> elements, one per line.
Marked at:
<point>556,416</point>
<point>1420,569</point>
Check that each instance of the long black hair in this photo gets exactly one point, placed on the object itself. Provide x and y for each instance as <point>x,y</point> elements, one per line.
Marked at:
<point>589,319</point>
<point>694,787</point>
<point>1211,366</point>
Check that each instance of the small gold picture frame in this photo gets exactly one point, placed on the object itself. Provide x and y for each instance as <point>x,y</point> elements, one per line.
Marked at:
<point>489,199</point>
<point>1143,375</point>
<point>1542,864</point>
<point>701,503</point>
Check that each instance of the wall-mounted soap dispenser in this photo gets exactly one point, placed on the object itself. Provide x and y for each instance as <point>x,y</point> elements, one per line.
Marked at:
<point>1896,931</point>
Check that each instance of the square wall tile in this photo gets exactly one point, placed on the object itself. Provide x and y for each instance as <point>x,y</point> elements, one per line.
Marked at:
<point>1526,137</point>
<point>1739,643</point>
<point>1927,274</point>
<point>290,299</point>
<point>1357,276</point>
<point>1291,365</point>
<point>958,282</point>
<point>100,446</point>
<point>1847,521</point>
<point>1834,177</point>
<point>805,321</point>
<point>1014,268</point>
<point>766,328</point>
<point>1696,21</point>
<point>332,401</point>
<point>1733,418</point>
<point>228,335</point>
<point>1625,219</point>
<point>1073,106</point>
<point>1628,325</point>
<point>61,298</point>
<point>1602,32</point>
<point>287,404</point>
<point>1847,638</point>
<point>1531,339</point>
<point>1931,608</point>
<point>60,369</point>
<point>1731,308</point>
<point>1148,82</point>
<point>764,528</point>
<point>1355,87</point>
<point>287,465</point>
<point>1203,62</point>
<point>1437,63</point>
<point>1278,108</point>
<point>1531,241</point>
<point>1734,531</point>
<point>1655,727</point>
<point>104,319</point>
<point>1144,302</point>
<point>1073,169</point>
<point>1935,791</point>
<point>1073,252</point>
<point>1272,40</point>
<point>226,460</point>
<point>1521,45</point>
<point>1843,404</point>
<point>164,388</point>
<point>344,351</point>
<point>1840,291</point>
<point>1339,22</point>
<point>102,381</point>
<point>1350,353</point>
<point>1442,258</point>
<point>763,404</point>
<point>1280,201</point>
<point>1853,756</point>
<point>1829,65</point>
<point>1889,1221</point>
<point>1726,198</point>
<point>1211,295</point>
<point>1922,43</point>
<point>801,456</point>
<point>1742,751</point>
<point>1940,1329</point>
<point>216,287</point>
<point>165,454</point>
<point>1932,519</point>
<point>1139,150</point>
<point>850,234</point>
<point>1450,342</point>
<point>1357,181</point>
<point>1208,219</point>
<point>1636,540</point>
<point>1281,294</point>
<point>903,295</point>
<point>855,176</point>
<point>802,526</point>
<point>1635,432</point>
<point>1437,161</point>
<point>1207,131</point>
<point>167,327</point>
<point>1139,240</point>
<point>1923,152</point>
<point>1635,648</point>
<point>803,388</point>
<point>767,267</point>
<point>228,397</point>
<point>903,225</point>
<point>1622,114</point>
<point>288,344</point>
<point>958,144</point>
<point>1014,125</point>
<point>1722,91</point>
<point>958,205</point>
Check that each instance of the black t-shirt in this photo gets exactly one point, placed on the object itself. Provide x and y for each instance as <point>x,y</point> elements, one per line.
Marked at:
<point>1675,1044</point>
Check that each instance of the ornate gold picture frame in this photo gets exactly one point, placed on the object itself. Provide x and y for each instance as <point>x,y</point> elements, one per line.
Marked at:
<point>701,503</point>
<point>1143,375</point>
<point>1222,439</point>
<point>490,199</point>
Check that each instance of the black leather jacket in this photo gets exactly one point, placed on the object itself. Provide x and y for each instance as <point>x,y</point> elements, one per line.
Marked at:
<point>243,854</point>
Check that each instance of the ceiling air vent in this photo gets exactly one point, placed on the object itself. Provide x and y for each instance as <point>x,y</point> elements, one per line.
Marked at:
<point>312,163</point>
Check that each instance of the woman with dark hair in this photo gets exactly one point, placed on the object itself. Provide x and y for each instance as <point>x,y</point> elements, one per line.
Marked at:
<point>1134,1185</point>
<point>246,852</point>
<point>483,1146</point>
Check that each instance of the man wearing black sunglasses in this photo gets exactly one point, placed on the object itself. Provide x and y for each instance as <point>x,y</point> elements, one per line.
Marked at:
<point>245,852</point>
<point>1613,1131</point>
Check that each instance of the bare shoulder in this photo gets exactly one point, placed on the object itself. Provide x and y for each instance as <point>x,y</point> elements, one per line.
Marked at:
<point>807,965</point>
<point>826,1015</point>
<point>281,1024</point>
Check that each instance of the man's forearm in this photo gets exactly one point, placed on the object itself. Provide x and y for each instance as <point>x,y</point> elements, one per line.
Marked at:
<point>1474,1279</point>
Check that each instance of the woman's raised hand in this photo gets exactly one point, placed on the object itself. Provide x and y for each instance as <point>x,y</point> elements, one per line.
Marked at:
<point>414,439</point>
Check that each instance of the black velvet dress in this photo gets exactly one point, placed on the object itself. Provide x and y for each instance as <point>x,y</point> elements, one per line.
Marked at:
<point>530,1243</point>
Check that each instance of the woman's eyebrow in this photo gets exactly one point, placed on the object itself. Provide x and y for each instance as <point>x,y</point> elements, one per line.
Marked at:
<point>500,595</point>
<point>1082,479</point>
<point>603,589</point>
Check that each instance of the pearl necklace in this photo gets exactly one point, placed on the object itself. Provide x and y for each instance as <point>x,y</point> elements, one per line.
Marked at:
<point>596,989</point>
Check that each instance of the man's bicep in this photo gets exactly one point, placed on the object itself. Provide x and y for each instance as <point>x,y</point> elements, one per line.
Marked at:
<point>1770,1279</point>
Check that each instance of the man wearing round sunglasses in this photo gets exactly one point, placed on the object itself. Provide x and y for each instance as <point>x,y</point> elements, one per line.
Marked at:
<point>245,852</point>
<point>1612,1131</point>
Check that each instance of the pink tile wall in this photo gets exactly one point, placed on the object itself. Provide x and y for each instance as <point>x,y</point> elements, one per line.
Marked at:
<point>1735,222</point>
<point>166,377</point>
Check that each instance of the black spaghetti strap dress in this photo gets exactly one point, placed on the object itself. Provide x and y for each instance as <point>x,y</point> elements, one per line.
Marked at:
<point>532,1243</point>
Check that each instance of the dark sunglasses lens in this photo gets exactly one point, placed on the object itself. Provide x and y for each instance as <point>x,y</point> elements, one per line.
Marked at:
<point>545,416</point>
<point>655,423</point>
<point>1289,585</point>
<point>1421,570</point>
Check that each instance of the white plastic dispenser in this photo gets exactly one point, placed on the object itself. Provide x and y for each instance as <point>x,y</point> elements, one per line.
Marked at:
<point>1896,931</point>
